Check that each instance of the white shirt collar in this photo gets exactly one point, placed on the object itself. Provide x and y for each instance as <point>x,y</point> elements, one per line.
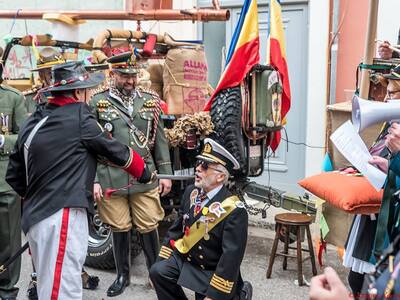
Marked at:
<point>214,191</point>
<point>211,194</point>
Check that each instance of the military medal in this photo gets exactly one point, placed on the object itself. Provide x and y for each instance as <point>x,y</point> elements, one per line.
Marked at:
<point>217,209</point>
<point>4,124</point>
<point>193,196</point>
<point>204,211</point>
<point>197,206</point>
<point>206,235</point>
<point>184,219</point>
<point>108,126</point>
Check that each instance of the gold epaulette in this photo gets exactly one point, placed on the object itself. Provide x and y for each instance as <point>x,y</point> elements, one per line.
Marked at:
<point>148,91</point>
<point>101,88</point>
<point>31,91</point>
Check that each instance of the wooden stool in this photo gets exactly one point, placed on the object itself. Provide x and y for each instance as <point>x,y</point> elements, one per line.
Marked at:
<point>288,220</point>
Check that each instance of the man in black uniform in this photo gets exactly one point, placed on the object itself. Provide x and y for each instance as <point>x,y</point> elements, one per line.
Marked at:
<point>205,246</point>
<point>53,168</point>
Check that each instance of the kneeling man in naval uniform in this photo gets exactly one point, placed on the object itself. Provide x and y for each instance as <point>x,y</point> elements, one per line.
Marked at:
<point>204,248</point>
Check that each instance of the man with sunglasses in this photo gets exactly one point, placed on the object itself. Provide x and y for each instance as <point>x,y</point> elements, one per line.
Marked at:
<point>204,248</point>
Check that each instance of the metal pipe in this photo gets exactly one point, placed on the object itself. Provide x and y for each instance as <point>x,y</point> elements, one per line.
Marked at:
<point>143,15</point>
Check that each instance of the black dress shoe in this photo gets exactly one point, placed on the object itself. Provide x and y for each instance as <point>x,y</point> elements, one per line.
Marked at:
<point>32,289</point>
<point>247,291</point>
<point>118,286</point>
<point>89,282</point>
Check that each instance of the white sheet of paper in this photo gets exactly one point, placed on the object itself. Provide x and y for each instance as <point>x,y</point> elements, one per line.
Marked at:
<point>352,147</point>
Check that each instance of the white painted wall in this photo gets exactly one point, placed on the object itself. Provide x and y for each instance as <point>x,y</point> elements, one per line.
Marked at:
<point>388,20</point>
<point>316,84</point>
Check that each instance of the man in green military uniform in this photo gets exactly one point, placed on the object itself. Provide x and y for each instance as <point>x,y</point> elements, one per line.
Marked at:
<point>48,57</point>
<point>12,115</point>
<point>131,115</point>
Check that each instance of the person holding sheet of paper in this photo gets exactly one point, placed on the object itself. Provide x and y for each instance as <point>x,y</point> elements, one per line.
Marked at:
<point>361,240</point>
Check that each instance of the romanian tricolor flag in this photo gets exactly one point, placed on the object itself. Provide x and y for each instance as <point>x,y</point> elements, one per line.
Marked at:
<point>277,58</point>
<point>243,51</point>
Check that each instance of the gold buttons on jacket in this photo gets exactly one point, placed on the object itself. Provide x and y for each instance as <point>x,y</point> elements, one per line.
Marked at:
<point>201,256</point>
<point>200,248</point>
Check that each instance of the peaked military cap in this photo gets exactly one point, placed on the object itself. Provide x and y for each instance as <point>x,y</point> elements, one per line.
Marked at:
<point>126,63</point>
<point>213,152</point>
<point>48,57</point>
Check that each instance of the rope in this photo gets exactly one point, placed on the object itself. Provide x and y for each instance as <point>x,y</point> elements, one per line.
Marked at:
<point>14,20</point>
<point>157,113</point>
<point>175,81</point>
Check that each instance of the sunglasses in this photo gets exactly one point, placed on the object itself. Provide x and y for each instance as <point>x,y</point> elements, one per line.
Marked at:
<point>205,166</point>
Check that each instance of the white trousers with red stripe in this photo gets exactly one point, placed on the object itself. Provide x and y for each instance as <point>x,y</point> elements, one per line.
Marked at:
<point>58,245</point>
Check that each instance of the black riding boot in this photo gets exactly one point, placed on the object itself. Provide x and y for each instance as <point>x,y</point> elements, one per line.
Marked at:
<point>122,258</point>
<point>151,246</point>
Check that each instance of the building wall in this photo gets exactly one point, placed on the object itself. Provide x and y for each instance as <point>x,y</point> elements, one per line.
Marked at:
<point>353,15</point>
<point>352,36</point>
<point>316,85</point>
<point>388,20</point>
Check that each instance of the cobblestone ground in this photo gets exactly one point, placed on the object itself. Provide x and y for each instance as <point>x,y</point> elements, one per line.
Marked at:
<point>282,285</point>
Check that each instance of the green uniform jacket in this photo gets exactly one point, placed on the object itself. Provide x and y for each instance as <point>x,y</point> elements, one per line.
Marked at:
<point>12,115</point>
<point>108,109</point>
<point>30,103</point>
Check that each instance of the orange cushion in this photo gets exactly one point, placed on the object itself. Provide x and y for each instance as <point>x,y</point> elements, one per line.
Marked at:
<point>353,194</point>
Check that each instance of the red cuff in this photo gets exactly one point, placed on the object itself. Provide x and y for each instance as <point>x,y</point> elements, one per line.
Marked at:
<point>172,244</point>
<point>135,164</point>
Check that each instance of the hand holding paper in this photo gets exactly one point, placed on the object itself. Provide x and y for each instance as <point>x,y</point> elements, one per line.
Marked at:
<point>352,147</point>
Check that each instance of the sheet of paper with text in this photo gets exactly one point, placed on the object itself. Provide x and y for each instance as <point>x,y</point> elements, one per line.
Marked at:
<point>352,147</point>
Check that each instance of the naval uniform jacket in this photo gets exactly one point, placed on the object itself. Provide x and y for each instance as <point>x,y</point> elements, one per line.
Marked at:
<point>383,288</point>
<point>112,114</point>
<point>211,267</point>
<point>61,161</point>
